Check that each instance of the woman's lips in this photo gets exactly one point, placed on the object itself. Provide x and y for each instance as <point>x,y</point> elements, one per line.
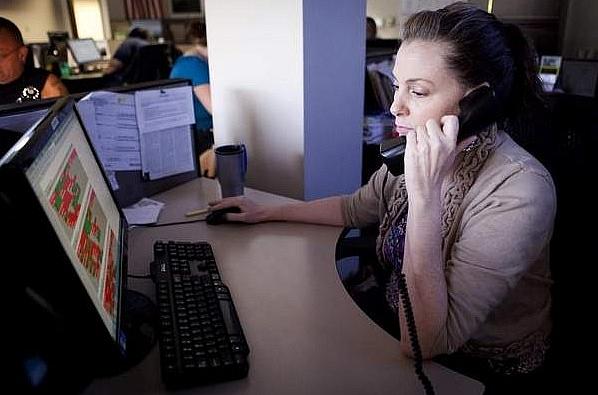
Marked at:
<point>402,130</point>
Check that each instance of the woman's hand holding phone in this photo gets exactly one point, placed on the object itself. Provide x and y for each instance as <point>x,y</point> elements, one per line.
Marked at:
<point>430,154</point>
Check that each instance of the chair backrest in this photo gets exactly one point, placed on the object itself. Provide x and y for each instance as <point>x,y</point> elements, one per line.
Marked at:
<point>150,63</point>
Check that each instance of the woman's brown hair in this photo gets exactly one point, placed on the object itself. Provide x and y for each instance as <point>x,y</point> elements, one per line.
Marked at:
<point>483,49</point>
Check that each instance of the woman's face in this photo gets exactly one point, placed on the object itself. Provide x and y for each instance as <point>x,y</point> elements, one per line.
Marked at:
<point>425,87</point>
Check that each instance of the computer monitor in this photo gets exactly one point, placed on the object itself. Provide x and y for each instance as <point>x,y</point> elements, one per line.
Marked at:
<point>17,118</point>
<point>58,45</point>
<point>84,50</point>
<point>72,244</point>
<point>153,26</point>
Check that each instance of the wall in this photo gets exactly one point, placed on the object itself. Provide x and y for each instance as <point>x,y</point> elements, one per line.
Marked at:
<point>116,10</point>
<point>36,17</point>
<point>387,14</point>
<point>256,76</point>
<point>581,32</point>
<point>264,82</point>
<point>390,15</point>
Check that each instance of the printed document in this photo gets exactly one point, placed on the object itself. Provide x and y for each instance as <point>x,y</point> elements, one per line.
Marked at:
<point>164,117</point>
<point>112,124</point>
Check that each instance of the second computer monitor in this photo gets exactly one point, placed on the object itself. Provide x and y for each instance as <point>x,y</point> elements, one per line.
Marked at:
<point>84,50</point>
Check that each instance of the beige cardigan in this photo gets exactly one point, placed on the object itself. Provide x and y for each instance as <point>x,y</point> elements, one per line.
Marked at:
<point>498,213</point>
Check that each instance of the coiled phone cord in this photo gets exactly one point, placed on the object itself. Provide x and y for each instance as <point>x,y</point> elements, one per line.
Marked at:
<point>411,328</point>
<point>417,352</point>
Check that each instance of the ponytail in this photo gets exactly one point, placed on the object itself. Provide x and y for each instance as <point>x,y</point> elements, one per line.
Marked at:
<point>526,88</point>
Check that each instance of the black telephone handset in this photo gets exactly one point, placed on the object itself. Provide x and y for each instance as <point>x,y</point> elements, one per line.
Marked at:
<point>478,109</point>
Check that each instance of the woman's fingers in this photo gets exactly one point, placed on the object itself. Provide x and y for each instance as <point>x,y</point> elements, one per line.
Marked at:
<point>450,127</point>
<point>235,201</point>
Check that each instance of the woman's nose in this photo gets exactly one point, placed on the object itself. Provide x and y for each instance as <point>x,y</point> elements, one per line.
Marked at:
<point>398,106</point>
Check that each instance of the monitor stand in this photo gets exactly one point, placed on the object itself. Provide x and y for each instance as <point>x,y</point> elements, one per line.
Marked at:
<point>139,325</point>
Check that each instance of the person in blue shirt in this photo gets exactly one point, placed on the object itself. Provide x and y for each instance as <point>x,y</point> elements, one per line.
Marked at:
<point>193,65</point>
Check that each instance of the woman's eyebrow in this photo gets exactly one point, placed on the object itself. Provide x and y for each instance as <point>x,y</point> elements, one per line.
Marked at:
<point>412,80</point>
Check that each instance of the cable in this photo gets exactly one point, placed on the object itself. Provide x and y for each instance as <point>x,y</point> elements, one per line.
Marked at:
<point>142,276</point>
<point>417,352</point>
<point>168,223</point>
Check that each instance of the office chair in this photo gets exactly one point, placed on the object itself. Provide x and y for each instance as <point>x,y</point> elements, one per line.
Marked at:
<point>150,63</point>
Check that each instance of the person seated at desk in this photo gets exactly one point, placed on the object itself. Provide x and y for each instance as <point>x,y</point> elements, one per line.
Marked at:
<point>468,223</point>
<point>122,58</point>
<point>193,65</point>
<point>371,29</point>
<point>19,83</point>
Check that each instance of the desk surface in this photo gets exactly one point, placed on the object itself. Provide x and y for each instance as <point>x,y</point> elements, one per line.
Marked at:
<point>83,76</point>
<point>306,334</point>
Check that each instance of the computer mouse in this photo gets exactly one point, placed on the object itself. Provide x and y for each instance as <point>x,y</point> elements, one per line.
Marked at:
<point>217,217</point>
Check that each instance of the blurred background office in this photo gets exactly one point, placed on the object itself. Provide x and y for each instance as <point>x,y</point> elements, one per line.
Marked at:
<point>19,80</point>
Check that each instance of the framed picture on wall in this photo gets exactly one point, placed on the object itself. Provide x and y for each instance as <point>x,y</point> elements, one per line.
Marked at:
<point>185,6</point>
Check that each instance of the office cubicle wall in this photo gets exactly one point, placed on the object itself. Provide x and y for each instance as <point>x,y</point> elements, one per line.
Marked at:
<point>132,186</point>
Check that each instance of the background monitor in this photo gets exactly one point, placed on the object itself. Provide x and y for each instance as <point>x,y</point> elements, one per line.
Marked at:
<point>84,50</point>
<point>579,77</point>
<point>58,46</point>
<point>71,239</point>
<point>153,26</point>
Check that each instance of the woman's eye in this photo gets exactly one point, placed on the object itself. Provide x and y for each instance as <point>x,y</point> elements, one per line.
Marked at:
<point>417,93</point>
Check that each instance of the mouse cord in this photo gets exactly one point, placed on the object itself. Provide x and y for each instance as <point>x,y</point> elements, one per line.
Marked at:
<point>167,224</point>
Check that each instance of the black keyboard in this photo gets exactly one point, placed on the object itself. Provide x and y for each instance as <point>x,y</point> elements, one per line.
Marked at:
<point>200,336</point>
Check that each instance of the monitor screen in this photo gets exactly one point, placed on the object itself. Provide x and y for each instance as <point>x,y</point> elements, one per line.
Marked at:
<point>75,198</point>
<point>84,50</point>
<point>58,37</point>
<point>153,26</point>
<point>20,117</point>
<point>58,44</point>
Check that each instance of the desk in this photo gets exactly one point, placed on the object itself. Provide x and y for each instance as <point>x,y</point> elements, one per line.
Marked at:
<point>84,82</point>
<point>305,333</point>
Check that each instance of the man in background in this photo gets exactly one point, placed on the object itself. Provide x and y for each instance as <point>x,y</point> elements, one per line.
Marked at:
<point>122,58</point>
<point>19,83</point>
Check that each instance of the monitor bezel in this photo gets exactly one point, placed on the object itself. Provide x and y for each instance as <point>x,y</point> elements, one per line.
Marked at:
<point>71,303</point>
<point>71,40</point>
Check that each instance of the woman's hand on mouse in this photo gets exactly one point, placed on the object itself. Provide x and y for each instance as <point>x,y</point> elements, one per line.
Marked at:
<point>251,212</point>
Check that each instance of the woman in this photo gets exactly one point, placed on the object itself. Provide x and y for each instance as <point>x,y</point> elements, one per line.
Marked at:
<point>469,223</point>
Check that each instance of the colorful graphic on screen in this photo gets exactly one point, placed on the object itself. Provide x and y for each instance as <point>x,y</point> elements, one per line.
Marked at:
<point>90,247</point>
<point>109,297</point>
<point>67,192</point>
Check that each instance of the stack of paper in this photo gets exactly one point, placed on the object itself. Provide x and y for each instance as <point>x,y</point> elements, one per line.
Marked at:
<point>145,211</point>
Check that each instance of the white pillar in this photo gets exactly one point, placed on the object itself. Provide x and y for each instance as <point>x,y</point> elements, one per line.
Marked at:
<point>287,80</point>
